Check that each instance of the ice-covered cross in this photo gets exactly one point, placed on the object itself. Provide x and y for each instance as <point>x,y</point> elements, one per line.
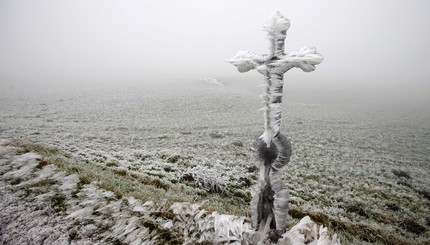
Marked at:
<point>273,66</point>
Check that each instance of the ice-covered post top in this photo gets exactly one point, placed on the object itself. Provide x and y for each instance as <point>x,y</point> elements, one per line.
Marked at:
<point>273,66</point>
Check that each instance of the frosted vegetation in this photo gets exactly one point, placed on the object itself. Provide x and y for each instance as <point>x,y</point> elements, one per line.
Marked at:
<point>360,170</point>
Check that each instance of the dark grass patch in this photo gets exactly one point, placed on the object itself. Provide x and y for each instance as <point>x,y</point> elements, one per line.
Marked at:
<point>82,181</point>
<point>141,156</point>
<point>38,187</point>
<point>245,182</point>
<point>404,183</point>
<point>216,135</point>
<point>425,194</point>
<point>22,151</point>
<point>210,185</point>
<point>112,164</point>
<point>392,206</point>
<point>154,182</point>
<point>161,176</point>
<point>237,143</point>
<point>401,173</point>
<point>42,163</point>
<point>164,235</point>
<point>188,177</point>
<point>16,181</point>
<point>73,235</point>
<point>120,171</point>
<point>173,159</point>
<point>58,202</point>
<point>369,235</point>
<point>412,226</point>
<point>115,242</point>
<point>357,210</point>
<point>44,183</point>
<point>133,168</point>
<point>43,150</point>
<point>246,196</point>
<point>146,180</point>
<point>252,169</point>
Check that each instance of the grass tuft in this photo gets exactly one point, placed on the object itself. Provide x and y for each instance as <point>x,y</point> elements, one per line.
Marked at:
<point>392,206</point>
<point>42,163</point>
<point>425,194</point>
<point>356,209</point>
<point>112,164</point>
<point>58,202</point>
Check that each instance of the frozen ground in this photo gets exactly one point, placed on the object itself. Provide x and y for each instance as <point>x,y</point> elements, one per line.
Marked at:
<point>42,204</point>
<point>360,168</point>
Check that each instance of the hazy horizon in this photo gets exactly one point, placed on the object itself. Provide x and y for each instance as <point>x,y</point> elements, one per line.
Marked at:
<point>373,45</point>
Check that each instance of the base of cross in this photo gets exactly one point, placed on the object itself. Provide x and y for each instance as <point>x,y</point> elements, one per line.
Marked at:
<point>269,196</point>
<point>306,232</point>
<point>269,202</point>
<point>194,225</point>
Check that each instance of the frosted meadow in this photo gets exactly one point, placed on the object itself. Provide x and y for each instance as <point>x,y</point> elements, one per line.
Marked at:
<point>121,123</point>
<point>355,169</point>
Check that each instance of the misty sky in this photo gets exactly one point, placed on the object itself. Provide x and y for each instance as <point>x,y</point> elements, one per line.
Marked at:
<point>363,42</point>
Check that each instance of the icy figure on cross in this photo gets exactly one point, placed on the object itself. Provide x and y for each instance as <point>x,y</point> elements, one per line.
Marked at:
<point>269,202</point>
<point>273,66</point>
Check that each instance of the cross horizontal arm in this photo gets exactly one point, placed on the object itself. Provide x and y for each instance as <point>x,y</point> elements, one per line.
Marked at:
<point>306,59</point>
<point>246,61</point>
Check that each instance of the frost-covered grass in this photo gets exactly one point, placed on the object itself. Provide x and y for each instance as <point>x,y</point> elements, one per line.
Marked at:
<point>345,170</point>
<point>124,182</point>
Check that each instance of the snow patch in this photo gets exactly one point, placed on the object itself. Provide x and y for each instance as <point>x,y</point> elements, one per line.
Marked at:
<point>212,81</point>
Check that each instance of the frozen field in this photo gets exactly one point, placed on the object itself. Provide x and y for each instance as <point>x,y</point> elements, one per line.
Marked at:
<point>359,166</point>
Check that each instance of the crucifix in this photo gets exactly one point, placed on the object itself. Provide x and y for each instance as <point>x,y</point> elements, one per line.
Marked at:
<point>273,66</point>
<point>269,202</point>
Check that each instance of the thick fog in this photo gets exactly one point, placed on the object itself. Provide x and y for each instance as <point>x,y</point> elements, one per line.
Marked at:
<point>373,44</point>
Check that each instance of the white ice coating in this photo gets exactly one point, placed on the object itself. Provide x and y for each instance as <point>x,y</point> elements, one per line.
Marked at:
<point>273,66</point>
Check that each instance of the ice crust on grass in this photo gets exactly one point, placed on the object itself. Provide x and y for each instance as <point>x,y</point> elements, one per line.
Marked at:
<point>30,212</point>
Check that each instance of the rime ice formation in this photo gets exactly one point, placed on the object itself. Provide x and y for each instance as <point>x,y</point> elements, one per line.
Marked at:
<point>273,66</point>
<point>270,199</point>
